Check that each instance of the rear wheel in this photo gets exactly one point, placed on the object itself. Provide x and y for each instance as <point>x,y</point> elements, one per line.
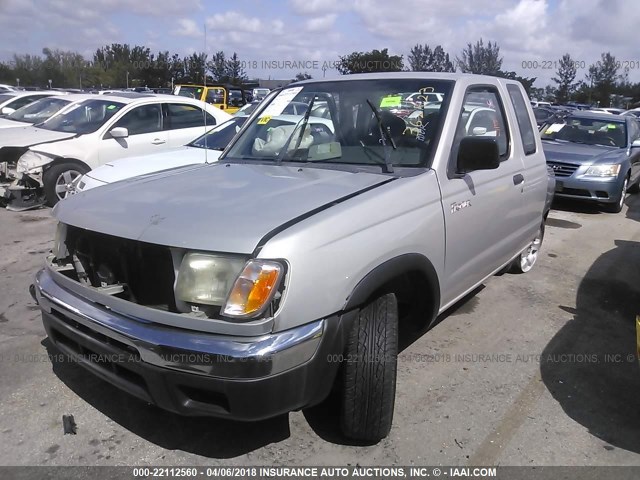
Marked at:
<point>58,181</point>
<point>617,206</point>
<point>527,259</point>
<point>369,389</point>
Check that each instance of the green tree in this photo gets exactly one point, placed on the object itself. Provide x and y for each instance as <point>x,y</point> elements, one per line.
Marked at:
<point>373,61</point>
<point>565,78</point>
<point>527,82</point>
<point>480,59</point>
<point>602,77</point>
<point>302,76</point>
<point>234,71</point>
<point>423,59</point>
<point>194,67</point>
<point>218,67</point>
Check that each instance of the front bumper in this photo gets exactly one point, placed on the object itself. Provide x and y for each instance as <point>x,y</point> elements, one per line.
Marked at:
<point>605,190</point>
<point>194,373</point>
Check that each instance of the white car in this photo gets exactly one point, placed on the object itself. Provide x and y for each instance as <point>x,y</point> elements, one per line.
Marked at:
<point>214,141</point>
<point>94,132</point>
<point>12,101</point>
<point>39,110</point>
<point>193,153</point>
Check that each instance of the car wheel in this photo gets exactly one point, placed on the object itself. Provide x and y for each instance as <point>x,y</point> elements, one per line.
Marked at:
<point>369,388</point>
<point>528,257</point>
<point>58,181</point>
<point>617,206</point>
<point>635,188</point>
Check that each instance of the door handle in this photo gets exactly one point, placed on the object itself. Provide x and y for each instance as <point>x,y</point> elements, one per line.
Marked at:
<point>518,179</point>
<point>158,141</point>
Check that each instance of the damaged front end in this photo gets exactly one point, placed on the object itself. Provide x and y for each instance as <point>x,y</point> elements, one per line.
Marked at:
<point>21,182</point>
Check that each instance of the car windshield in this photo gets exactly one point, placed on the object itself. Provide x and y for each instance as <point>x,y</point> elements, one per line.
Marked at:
<point>40,110</point>
<point>219,137</point>
<point>85,117</point>
<point>190,92</point>
<point>590,131</point>
<point>360,124</point>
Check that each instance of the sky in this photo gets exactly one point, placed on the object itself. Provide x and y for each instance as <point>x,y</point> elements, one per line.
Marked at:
<point>532,34</point>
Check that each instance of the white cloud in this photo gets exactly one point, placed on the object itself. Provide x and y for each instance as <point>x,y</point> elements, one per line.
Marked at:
<point>320,24</point>
<point>317,7</point>
<point>187,28</point>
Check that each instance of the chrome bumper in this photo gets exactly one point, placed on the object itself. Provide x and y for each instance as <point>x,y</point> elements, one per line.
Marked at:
<point>173,348</point>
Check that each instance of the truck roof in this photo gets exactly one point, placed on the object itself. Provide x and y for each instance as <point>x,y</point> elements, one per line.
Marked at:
<point>471,77</point>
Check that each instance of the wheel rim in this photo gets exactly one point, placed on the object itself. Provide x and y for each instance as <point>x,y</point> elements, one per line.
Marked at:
<point>64,183</point>
<point>530,255</point>
<point>623,192</point>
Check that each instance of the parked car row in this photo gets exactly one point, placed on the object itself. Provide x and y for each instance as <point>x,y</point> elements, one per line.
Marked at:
<point>41,162</point>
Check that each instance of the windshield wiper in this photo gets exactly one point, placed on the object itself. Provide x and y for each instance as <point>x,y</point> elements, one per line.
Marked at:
<point>302,122</point>
<point>384,136</point>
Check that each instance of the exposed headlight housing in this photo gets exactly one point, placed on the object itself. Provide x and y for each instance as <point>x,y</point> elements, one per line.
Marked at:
<point>31,160</point>
<point>242,289</point>
<point>206,279</point>
<point>603,171</point>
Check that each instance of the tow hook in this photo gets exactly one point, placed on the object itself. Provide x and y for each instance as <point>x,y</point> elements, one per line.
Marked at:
<point>32,291</point>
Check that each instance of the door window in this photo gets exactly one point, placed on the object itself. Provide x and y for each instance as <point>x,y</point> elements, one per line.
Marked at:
<point>142,119</point>
<point>482,115</point>
<point>188,116</point>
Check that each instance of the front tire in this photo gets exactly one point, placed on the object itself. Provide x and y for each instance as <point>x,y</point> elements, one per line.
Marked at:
<point>369,389</point>
<point>57,181</point>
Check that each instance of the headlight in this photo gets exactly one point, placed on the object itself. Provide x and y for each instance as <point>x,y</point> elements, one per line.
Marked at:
<point>30,160</point>
<point>253,290</point>
<point>242,288</point>
<point>207,279</point>
<point>603,171</point>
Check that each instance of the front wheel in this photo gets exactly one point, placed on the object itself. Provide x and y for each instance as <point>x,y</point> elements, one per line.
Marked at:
<point>527,259</point>
<point>58,181</point>
<point>369,389</point>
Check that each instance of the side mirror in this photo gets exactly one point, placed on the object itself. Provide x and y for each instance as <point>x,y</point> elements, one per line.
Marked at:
<point>119,132</point>
<point>8,110</point>
<point>477,153</point>
<point>635,143</point>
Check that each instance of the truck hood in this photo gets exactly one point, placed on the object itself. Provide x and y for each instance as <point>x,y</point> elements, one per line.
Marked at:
<point>132,167</point>
<point>215,207</point>
<point>580,154</point>
<point>29,135</point>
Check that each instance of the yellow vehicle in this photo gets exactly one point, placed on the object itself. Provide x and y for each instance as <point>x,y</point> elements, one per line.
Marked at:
<point>229,98</point>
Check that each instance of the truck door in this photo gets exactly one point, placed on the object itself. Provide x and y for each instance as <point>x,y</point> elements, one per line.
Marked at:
<point>483,209</point>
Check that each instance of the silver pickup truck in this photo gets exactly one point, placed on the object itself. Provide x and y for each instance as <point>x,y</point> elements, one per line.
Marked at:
<point>254,285</point>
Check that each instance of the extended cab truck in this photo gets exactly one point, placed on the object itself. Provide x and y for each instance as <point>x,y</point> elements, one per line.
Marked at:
<point>252,286</point>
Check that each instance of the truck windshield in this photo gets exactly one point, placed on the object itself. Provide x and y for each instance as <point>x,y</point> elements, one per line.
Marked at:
<point>341,127</point>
